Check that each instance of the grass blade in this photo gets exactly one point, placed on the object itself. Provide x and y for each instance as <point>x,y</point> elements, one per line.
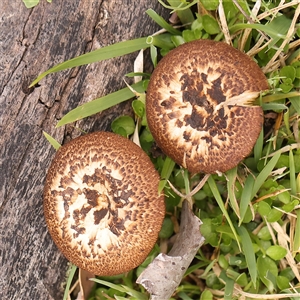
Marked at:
<point>279,96</point>
<point>292,173</point>
<point>54,143</point>
<point>167,168</point>
<point>111,51</point>
<point>216,193</point>
<point>161,22</point>
<point>276,29</point>
<point>99,104</point>
<point>249,253</point>
<point>295,102</point>
<point>259,147</point>
<point>69,282</point>
<point>296,243</point>
<point>166,171</point>
<point>110,284</point>
<point>263,175</point>
<point>246,197</point>
<point>229,285</point>
<point>231,176</point>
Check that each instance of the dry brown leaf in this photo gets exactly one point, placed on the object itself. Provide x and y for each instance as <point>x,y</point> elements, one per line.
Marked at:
<point>85,283</point>
<point>165,273</point>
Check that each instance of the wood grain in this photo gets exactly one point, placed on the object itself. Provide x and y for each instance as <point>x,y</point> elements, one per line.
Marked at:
<point>31,41</point>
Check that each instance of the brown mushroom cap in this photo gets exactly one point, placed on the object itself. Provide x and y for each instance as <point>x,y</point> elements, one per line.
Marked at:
<point>187,111</point>
<point>101,203</point>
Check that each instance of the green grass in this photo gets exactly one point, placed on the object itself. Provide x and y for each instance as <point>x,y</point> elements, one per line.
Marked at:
<point>251,214</point>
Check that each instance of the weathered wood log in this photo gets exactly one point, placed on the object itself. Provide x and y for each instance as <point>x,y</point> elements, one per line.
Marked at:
<point>32,41</point>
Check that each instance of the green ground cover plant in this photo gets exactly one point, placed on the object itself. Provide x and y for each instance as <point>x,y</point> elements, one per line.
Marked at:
<point>250,214</point>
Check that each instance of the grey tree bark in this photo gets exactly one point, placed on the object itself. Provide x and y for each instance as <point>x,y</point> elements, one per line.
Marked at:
<point>32,41</point>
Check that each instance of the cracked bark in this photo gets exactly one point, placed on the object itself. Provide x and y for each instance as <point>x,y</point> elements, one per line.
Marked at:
<point>31,41</point>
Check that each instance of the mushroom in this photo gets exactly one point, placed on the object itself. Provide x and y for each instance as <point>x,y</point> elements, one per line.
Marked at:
<point>197,105</point>
<point>101,203</point>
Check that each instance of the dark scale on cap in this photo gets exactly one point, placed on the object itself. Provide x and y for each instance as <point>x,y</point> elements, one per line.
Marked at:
<point>99,215</point>
<point>191,122</point>
<point>101,203</point>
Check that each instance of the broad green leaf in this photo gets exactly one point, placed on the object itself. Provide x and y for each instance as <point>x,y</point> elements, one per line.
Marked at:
<point>177,40</point>
<point>123,125</point>
<point>225,229</point>
<point>290,206</point>
<point>55,144</point>
<point>267,271</point>
<point>248,252</point>
<point>286,86</point>
<point>223,262</point>
<point>282,283</point>
<point>210,24</point>
<point>264,234</point>
<point>210,4</point>
<point>31,3</point>
<point>274,215</point>
<point>111,51</point>
<point>167,228</point>
<point>276,252</point>
<point>263,208</point>
<point>138,108</point>
<point>242,279</point>
<point>288,72</point>
<point>188,35</point>
<point>208,230</point>
<point>99,104</point>
<point>206,295</point>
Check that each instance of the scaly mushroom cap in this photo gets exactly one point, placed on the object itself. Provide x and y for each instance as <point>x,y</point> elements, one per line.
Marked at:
<point>101,203</point>
<point>190,105</point>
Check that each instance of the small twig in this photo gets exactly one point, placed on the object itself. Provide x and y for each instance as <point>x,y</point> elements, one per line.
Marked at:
<point>248,18</point>
<point>199,186</point>
<point>247,31</point>
<point>223,24</point>
<point>289,35</point>
<point>268,297</point>
<point>276,9</point>
<point>190,194</point>
<point>175,190</point>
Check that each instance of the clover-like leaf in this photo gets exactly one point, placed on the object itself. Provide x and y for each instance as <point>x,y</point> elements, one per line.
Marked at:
<point>276,252</point>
